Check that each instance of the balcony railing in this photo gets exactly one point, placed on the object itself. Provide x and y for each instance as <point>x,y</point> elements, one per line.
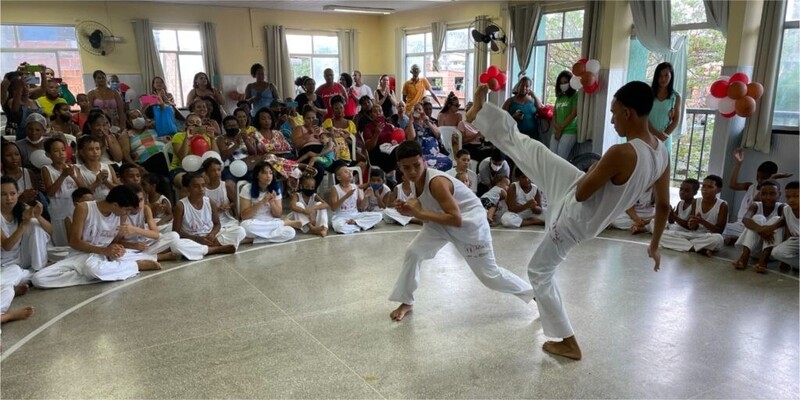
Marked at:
<point>690,153</point>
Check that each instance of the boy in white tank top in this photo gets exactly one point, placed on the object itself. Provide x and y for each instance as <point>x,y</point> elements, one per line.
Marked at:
<point>347,201</point>
<point>704,228</point>
<point>787,251</point>
<point>762,224</point>
<point>220,191</point>
<point>402,192</point>
<point>451,213</point>
<point>582,205</point>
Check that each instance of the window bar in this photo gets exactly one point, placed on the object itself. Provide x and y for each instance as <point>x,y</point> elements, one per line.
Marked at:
<point>689,152</point>
<point>702,148</point>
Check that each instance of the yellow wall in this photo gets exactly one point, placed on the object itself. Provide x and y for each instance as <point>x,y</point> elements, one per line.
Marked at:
<point>744,21</point>
<point>615,34</point>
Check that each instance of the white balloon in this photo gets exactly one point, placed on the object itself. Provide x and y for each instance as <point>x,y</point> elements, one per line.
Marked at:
<point>726,105</point>
<point>711,101</point>
<point>131,95</point>
<point>593,66</point>
<point>575,82</point>
<point>238,168</point>
<point>39,159</point>
<point>724,77</point>
<point>191,163</point>
<point>210,154</point>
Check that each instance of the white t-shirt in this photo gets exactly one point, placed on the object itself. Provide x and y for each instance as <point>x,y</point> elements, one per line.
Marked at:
<point>264,212</point>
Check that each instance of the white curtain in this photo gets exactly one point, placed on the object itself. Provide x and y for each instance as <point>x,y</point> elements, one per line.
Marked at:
<point>279,67</point>
<point>400,64</point>
<point>758,128</point>
<point>653,24</point>
<point>524,25</point>
<point>590,48</point>
<point>481,52</point>
<point>438,32</point>
<point>348,51</point>
<point>149,61</point>
<point>210,55</point>
<point>678,61</point>
<point>717,14</point>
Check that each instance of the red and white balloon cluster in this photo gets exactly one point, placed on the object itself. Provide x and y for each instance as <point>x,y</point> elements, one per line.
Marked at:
<point>493,78</point>
<point>584,75</point>
<point>735,95</point>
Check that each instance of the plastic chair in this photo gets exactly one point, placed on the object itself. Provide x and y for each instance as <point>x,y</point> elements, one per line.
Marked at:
<point>447,134</point>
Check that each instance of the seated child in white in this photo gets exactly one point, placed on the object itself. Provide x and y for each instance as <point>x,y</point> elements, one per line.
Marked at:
<point>494,199</point>
<point>262,208</point>
<point>377,192</point>
<point>346,201</point>
<point>524,203</point>
<point>309,209</point>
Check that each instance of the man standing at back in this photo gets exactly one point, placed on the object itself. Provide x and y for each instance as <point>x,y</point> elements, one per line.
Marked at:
<point>414,89</point>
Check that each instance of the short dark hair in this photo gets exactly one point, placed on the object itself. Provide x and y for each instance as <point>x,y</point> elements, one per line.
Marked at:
<point>209,162</point>
<point>48,144</point>
<point>768,167</point>
<point>229,118</point>
<point>770,182</point>
<point>499,177</point>
<point>80,192</point>
<point>256,118</point>
<point>254,68</point>
<point>637,96</point>
<point>793,185</point>
<point>518,173</point>
<point>125,167</point>
<point>123,196</point>
<point>496,155</point>
<point>189,177</point>
<point>337,99</point>
<point>408,149</point>
<point>377,173</point>
<point>461,152</point>
<point>717,180</point>
<point>694,182</point>
<point>136,188</point>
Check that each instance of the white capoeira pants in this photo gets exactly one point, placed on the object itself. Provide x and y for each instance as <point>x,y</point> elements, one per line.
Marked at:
<point>787,252</point>
<point>625,222</point>
<point>33,248</point>
<point>273,231</point>
<point>364,220</point>
<point>753,241</point>
<point>733,229</point>
<point>392,216</point>
<point>231,235</point>
<point>554,176</point>
<point>514,220</point>
<point>172,241</point>
<point>83,269</point>
<point>687,240</point>
<point>320,217</point>
<point>479,257</point>
<point>10,277</point>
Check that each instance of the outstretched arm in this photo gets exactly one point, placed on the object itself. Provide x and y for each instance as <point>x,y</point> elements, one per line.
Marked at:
<point>661,191</point>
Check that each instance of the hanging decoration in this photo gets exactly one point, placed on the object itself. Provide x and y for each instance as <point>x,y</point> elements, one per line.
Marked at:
<point>494,78</point>
<point>734,95</point>
<point>584,75</point>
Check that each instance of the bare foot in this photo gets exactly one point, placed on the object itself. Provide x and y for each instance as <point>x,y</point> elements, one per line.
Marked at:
<point>21,289</point>
<point>739,264</point>
<point>148,265</point>
<point>228,249</point>
<point>351,222</point>
<point>293,224</point>
<point>760,268</point>
<point>400,312</point>
<point>566,348</point>
<point>477,102</point>
<point>17,314</point>
<point>706,252</point>
<point>636,229</point>
<point>167,256</point>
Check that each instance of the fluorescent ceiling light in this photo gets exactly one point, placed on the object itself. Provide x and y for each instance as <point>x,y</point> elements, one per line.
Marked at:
<point>359,10</point>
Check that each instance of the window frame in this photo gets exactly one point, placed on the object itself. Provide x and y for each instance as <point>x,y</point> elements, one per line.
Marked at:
<point>180,97</point>
<point>784,129</point>
<point>311,56</point>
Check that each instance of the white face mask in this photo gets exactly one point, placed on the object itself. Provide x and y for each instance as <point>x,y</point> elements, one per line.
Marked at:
<point>564,87</point>
<point>34,142</point>
<point>138,123</point>
<point>495,167</point>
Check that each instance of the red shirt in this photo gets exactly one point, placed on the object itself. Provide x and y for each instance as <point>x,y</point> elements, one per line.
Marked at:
<point>326,93</point>
<point>79,119</point>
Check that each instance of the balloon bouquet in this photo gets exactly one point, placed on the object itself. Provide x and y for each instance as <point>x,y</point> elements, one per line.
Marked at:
<point>735,95</point>
<point>584,75</point>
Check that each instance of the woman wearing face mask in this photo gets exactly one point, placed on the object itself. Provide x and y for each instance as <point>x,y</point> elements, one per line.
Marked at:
<point>523,106</point>
<point>108,100</point>
<point>140,145</point>
<point>238,144</point>
<point>61,121</point>
<point>565,129</point>
<point>18,107</point>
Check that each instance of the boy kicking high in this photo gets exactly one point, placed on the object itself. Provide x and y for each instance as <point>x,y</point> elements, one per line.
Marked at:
<point>582,205</point>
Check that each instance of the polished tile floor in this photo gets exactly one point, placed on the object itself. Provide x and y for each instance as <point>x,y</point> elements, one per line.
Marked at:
<point>309,319</point>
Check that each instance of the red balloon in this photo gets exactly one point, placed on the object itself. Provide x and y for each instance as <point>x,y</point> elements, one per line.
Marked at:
<point>592,88</point>
<point>484,78</point>
<point>546,112</point>
<point>69,154</point>
<point>578,68</point>
<point>719,89</point>
<point>583,60</point>
<point>398,135</point>
<point>740,77</point>
<point>494,85</point>
<point>501,79</point>
<point>493,71</point>
<point>199,146</point>
<point>729,115</point>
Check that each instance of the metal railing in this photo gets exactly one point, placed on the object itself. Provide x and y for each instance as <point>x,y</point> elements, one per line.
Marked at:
<point>690,153</point>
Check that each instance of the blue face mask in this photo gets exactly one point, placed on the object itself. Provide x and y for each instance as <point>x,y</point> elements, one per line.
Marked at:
<point>376,186</point>
<point>115,85</point>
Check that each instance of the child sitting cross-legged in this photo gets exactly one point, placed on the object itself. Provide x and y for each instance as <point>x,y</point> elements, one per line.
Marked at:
<point>762,227</point>
<point>262,208</point>
<point>309,209</point>
<point>524,203</point>
<point>159,203</point>
<point>347,201</point>
<point>401,193</point>
<point>219,191</point>
<point>703,231</point>
<point>493,198</point>
<point>376,192</point>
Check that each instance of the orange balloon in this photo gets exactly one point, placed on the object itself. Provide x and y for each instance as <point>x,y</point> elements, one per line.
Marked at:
<point>588,79</point>
<point>578,69</point>
<point>755,90</point>
<point>745,106</point>
<point>737,90</point>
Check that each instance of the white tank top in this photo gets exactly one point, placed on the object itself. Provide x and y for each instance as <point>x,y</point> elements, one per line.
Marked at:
<point>710,216</point>
<point>474,227</point>
<point>684,213</point>
<point>264,212</point>
<point>90,177</point>
<point>585,220</point>
<point>791,220</point>
<point>8,228</point>
<point>160,214</point>
<point>522,196</point>
<point>349,206</point>
<point>24,182</point>
<point>197,222</point>
<point>747,201</point>
<point>219,194</point>
<point>138,221</point>
<point>61,205</point>
<point>760,209</point>
<point>402,195</point>
<point>99,230</point>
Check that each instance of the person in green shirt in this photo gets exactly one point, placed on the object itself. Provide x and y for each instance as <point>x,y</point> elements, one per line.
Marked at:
<point>565,128</point>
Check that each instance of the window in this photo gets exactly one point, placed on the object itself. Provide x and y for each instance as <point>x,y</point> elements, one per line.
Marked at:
<point>787,93</point>
<point>181,54</point>
<point>53,46</point>
<point>311,54</point>
<point>456,61</point>
<point>557,47</point>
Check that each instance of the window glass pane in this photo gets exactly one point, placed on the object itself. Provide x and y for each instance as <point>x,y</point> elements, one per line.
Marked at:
<point>320,64</point>
<point>11,61</point>
<point>419,60</point>
<point>190,64</point>
<point>573,24</point>
<point>452,73</point>
<point>7,38</point>
<point>169,63</point>
<point>687,11</point>
<point>438,80</point>
<point>551,24</point>
<point>456,40</point>
<point>166,40</point>
<point>70,70</point>
<point>47,37</point>
<point>704,64</point>
<point>190,41</point>
<point>792,10</point>
<point>301,66</point>
<point>561,56</point>
<point>415,43</point>
<point>787,94</point>
<point>428,43</point>
<point>326,45</point>
<point>469,80</point>
<point>299,44</point>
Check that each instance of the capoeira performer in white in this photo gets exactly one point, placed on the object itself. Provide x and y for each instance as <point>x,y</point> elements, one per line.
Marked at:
<point>262,208</point>
<point>450,213</point>
<point>582,205</point>
<point>94,256</point>
<point>346,199</point>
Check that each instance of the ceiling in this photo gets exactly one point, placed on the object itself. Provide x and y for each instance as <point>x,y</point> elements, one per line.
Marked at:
<point>313,5</point>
